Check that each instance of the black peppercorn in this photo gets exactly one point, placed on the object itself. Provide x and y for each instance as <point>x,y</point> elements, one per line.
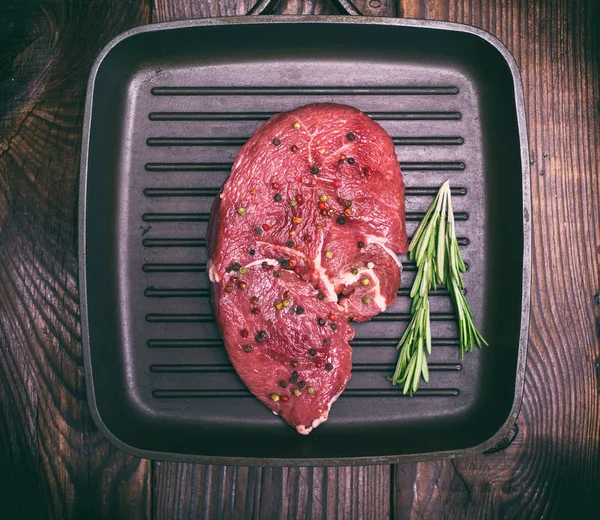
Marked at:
<point>314,170</point>
<point>276,142</point>
<point>312,352</point>
<point>333,326</point>
<point>299,310</point>
<point>341,220</point>
<point>277,197</point>
<point>295,373</point>
<point>321,321</point>
<point>361,244</point>
<point>350,136</point>
<point>351,160</point>
<point>282,383</point>
<point>329,367</point>
<point>321,296</point>
<point>257,231</point>
<point>289,244</point>
<point>252,252</point>
<point>301,384</point>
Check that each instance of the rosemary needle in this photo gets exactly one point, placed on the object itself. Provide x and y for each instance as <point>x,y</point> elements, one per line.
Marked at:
<point>435,250</point>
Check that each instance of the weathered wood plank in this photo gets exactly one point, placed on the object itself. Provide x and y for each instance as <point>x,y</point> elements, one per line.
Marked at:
<point>169,10</point>
<point>194,491</point>
<point>55,464</point>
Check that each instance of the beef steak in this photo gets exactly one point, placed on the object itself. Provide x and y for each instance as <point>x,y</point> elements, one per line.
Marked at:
<point>303,238</point>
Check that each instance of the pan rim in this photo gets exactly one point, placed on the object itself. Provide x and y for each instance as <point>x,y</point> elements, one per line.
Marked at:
<point>526,222</point>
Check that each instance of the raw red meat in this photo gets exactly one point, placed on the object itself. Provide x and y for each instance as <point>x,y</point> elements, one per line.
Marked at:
<point>304,237</point>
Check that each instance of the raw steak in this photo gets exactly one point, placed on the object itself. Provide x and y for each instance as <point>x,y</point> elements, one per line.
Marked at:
<point>304,237</point>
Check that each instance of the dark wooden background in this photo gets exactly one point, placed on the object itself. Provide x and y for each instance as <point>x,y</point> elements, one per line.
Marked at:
<point>53,461</point>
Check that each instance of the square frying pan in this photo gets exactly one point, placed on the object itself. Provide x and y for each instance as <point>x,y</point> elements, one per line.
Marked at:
<point>168,107</point>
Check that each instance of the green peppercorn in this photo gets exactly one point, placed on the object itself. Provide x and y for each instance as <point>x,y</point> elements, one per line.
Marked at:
<point>242,211</point>
<point>310,390</point>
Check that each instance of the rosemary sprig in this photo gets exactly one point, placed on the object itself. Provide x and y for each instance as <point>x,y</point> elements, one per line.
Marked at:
<point>435,250</point>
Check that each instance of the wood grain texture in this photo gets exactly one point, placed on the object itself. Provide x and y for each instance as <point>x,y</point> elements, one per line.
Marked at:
<point>193,491</point>
<point>552,470</point>
<point>55,464</point>
<point>169,10</point>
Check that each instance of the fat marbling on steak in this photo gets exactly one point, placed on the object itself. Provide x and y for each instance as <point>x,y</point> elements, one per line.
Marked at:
<point>304,237</point>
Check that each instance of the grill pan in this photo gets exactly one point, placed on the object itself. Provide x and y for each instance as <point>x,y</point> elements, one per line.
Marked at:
<point>169,105</point>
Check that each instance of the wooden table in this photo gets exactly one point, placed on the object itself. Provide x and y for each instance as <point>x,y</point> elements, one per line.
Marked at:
<point>53,461</point>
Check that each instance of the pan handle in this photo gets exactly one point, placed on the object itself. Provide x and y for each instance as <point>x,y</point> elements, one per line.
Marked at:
<point>390,8</point>
<point>346,6</point>
<point>263,7</point>
<point>367,7</point>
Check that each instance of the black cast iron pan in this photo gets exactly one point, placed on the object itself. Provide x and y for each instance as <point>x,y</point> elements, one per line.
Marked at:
<point>168,107</point>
